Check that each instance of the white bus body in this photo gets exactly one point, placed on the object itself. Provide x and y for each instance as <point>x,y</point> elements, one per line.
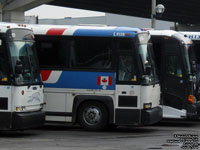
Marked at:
<point>175,60</point>
<point>21,89</point>
<point>195,37</point>
<point>84,81</point>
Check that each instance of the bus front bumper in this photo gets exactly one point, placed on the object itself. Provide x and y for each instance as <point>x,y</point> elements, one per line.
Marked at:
<point>193,111</point>
<point>138,116</point>
<point>151,116</point>
<point>27,120</point>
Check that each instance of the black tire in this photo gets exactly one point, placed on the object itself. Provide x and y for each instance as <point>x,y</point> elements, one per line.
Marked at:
<point>93,116</point>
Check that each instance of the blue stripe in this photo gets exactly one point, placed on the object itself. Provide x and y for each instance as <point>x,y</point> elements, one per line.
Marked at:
<point>117,32</point>
<point>81,80</point>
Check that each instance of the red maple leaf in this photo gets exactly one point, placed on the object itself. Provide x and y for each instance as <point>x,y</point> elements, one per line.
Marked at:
<point>104,80</point>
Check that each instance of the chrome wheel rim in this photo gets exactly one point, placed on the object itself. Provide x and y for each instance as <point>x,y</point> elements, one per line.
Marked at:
<point>92,115</point>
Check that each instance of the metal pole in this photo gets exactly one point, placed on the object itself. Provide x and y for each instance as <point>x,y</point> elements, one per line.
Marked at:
<point>1,12</point>
<point>153,13</point>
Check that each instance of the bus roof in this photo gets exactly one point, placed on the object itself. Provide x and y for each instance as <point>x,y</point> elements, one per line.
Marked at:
<point>4,26</point>
<point>192,35</point>
<point>100,31</point>
<point>171,33</point>
<point>162,32</point>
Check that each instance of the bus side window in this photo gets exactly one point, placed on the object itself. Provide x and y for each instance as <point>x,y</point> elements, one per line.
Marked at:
<point>3,63</point>
<point>64,50</point>
<point>88,53</point>
<point>126,69</point>
<point>45,53</point>
<point>52,52</point>
<point>173,66</point>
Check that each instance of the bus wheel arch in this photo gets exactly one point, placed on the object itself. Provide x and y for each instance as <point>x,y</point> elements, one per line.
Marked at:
<point>95,105</point>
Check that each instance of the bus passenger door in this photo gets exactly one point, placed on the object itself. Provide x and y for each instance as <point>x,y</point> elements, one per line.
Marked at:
<point>174,90</point>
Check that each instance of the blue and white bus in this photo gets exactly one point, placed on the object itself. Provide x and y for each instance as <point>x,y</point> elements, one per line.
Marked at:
<point>98,75</point>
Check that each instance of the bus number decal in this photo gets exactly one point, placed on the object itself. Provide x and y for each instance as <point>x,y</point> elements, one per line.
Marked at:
<point>122,34</point>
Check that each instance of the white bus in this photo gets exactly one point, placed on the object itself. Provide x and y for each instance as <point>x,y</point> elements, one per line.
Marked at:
<point>98,76</point>
<point>176,62</point>
<point>195,37</point>
<point>21,89</point>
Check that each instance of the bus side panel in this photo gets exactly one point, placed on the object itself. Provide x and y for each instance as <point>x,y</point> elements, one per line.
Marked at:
<point>78,80</point>
<point>5,107</point>
<point>150,94</point>
<point>61,88</point>
<point>130,102</point>
<point>62,104</point>
<point>127,106</point>
<point>55,102</point>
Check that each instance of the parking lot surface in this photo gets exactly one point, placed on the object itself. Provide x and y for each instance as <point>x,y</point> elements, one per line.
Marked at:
<point>167,135</point>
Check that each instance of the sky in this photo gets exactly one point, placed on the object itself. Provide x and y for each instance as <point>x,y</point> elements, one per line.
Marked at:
<point>49,11</point>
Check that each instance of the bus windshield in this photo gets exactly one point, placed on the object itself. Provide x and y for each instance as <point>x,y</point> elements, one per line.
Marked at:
<point>23,56</point>
<point>146,58</point>
<point>190,57</point>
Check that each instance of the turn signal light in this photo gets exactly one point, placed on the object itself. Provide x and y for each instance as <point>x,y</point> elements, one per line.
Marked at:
<point>191,98</point>
<point>17,108</point>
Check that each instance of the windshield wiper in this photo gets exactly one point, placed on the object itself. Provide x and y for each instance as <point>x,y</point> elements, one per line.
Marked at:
<point>31,67</point>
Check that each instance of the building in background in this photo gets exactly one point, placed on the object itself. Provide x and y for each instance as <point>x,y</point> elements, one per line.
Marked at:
<point>108,19</point>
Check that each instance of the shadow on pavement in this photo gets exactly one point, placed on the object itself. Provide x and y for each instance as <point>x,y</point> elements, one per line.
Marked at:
<point>178,123</point>
<point>17,134</point>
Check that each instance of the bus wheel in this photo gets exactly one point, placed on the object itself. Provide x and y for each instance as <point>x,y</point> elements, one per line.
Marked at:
<point>93,116</point>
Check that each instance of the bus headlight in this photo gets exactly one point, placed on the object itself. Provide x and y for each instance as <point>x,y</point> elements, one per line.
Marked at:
<point>22,108</point>
<point>147,105</point>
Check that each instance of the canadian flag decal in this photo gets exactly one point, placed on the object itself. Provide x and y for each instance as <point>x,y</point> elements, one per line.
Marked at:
<point>104,80</point>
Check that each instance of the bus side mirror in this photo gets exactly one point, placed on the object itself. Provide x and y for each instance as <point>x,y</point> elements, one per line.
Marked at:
<point>193,67</point>
<point>148,70</point>
<point>18,67</point>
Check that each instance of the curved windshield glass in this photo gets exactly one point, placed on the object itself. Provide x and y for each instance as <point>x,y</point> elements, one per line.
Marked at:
<point>190,58</point>
<point>146,58</point>
<point>24,62</point>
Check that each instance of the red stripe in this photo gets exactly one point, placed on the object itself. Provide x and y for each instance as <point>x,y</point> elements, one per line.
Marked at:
<point>110,81</point>
<point>45,74</point>
<point>56,31</point>
<point>99,80</point>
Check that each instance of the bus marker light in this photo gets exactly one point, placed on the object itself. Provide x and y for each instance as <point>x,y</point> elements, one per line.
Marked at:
<point>22,92</point>
<point>17,108</point>
<point>191,98</point>
<point>166,38</point>
<point>127,34</point>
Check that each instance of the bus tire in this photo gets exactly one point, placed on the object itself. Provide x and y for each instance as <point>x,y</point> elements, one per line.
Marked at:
<point>93,116</point>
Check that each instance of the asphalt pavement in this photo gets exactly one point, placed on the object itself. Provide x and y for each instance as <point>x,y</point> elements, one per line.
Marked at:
<point>166,135</point>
